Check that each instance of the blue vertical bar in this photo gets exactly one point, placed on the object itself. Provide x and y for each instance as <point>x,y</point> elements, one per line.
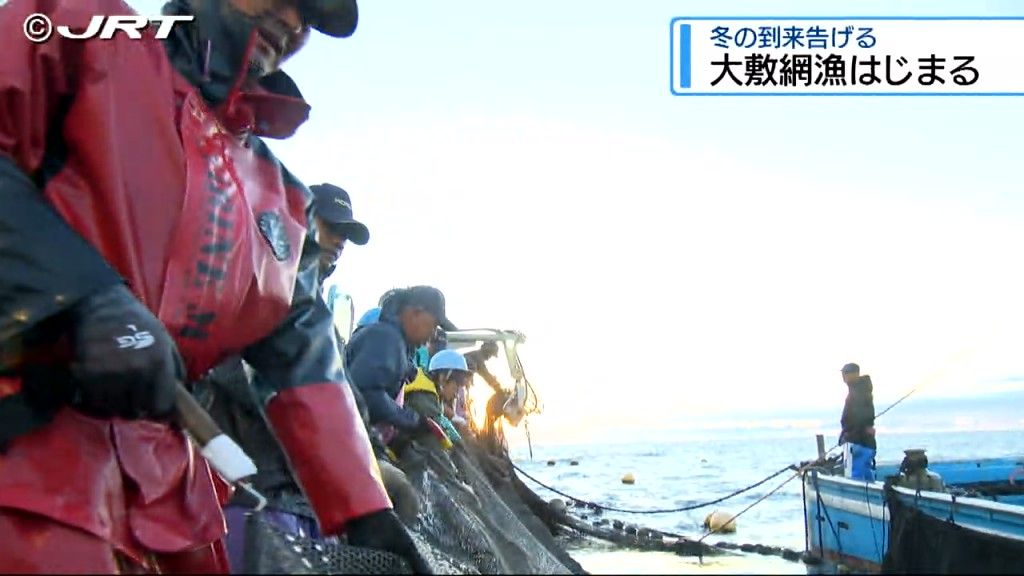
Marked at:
<point>684,56</point>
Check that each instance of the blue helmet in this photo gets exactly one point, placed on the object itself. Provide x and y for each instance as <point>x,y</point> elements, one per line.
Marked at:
<point>448,360</point>
<point>369,317</point>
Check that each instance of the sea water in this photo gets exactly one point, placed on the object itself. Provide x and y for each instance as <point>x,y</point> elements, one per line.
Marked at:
<point>678,473</point>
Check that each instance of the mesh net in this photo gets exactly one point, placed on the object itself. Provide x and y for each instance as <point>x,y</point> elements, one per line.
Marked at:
<point>471,522</point>
<point>276,551</point>
<point>923,544</point>
<point>477,521</point>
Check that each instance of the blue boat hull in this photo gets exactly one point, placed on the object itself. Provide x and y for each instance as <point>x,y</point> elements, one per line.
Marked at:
<point>847,521</point>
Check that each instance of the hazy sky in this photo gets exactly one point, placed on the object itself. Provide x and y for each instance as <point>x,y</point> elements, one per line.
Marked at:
<point>668,257</point>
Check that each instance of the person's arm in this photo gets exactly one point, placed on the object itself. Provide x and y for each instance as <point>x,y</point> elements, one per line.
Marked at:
<point>61,301</point>
<point>866,413</point>
<point>423,403</point>
<point>489,378</point>
<point>45,266</point>
<point>311,409</point>
<point>379,449</point>
<point>375,366</point>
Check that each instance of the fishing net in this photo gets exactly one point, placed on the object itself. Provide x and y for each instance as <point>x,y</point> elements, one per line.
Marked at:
<point>476,520</point>
<point>923,544</point>
<point>472,521</point>
<point>270,550</point>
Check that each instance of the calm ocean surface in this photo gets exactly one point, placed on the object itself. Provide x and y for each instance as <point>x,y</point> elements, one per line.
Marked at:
<point>680,473</point>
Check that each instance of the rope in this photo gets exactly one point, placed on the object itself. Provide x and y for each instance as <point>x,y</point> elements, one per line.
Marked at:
<point>807,527</point>
<point>655,511</point>
<point>828,518</point>
<point>756,502</point>
<point>871,520</point>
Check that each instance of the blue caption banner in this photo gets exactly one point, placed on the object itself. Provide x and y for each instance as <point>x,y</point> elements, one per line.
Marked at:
<point>846,56</point>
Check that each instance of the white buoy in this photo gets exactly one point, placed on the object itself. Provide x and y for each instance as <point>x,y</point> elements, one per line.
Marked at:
<point>720,522</point>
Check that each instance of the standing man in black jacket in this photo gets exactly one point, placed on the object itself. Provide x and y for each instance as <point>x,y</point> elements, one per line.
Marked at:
<point>858,422</point>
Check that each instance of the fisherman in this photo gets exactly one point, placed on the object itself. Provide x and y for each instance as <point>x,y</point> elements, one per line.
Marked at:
<point>337,226</point>
<point>432,393</point>
<point>146,234</point>
<point>228,393</point>
<point>858,425</point>
<point>477,361</point>
<point>380,357</point>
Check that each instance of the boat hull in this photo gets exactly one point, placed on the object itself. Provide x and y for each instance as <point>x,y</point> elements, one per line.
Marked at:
<point>848,522</point>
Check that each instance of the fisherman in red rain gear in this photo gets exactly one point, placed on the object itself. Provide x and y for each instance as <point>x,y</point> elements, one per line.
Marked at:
<point>147,233</point>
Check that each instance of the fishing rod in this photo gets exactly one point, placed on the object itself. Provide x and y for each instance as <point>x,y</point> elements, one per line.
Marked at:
<point>894,404</point>
<point>930,379</point>
<point>891,406</point>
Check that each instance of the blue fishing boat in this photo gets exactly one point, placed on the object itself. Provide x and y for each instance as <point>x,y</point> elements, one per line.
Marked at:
<point>959,516</point>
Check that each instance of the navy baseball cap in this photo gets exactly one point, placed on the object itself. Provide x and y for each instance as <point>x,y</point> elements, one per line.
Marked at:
<point>851,367</point>
<point>334,206</point>
<point>432,300</point>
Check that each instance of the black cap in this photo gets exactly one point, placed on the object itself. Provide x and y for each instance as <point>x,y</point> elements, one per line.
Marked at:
<point>387,295</point>
<point>851,367</point>
<point>335,207</point>
<point>430,299</point>
<point>335,18</point>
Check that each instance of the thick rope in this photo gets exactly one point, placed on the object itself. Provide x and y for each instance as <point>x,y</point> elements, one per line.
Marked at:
<point>755,503</point>
<point>654,511</point>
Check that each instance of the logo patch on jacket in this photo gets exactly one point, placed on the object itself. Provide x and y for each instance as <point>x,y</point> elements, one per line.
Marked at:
<point>273,232</point>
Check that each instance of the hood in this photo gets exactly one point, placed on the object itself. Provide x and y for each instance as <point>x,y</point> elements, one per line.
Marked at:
<point>213,55</point>
<point>862,384</point>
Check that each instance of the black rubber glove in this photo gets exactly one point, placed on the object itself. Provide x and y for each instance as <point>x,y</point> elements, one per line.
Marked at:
<point>125,363</point>
<point>384,531</point>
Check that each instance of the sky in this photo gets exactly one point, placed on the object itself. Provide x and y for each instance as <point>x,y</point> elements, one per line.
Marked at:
<point>669,259</point>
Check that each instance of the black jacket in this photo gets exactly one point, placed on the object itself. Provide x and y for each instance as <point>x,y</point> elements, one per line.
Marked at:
<point>859,414</point>
<point>380,363</point>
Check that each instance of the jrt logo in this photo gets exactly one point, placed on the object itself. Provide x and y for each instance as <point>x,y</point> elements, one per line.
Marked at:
<point>39,27</point>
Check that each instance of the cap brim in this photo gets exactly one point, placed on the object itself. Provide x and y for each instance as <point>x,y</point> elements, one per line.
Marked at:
<point>355,232</point>
<point>446,325</point>
<point>337,30</point>
<point>335,18</point>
